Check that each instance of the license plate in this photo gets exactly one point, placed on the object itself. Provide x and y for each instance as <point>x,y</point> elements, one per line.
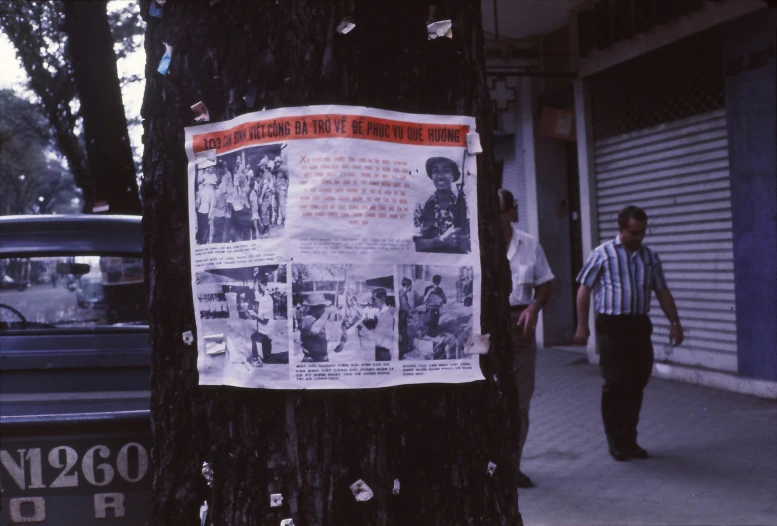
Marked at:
<point>102,480</point>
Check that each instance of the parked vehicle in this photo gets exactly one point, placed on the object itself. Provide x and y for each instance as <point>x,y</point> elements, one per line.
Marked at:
<point>75,363</point>
<point>8,283</point>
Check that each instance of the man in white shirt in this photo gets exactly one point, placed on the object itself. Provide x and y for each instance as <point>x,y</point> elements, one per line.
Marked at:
<point>383,335</point>
<point>204,203</point>
<point>265,326</point>
<point>531,276</point>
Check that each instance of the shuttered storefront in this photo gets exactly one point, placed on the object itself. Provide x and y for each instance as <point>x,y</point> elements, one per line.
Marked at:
<point>678,173</point>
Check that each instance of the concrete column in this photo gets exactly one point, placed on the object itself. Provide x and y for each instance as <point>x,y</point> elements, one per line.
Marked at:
<point>588,211</point>
<point>547,214</point>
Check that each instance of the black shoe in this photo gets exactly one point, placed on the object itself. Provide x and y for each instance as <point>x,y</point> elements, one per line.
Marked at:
<point>618,452</point>
<point>524,481</point>
<point>634,451</point>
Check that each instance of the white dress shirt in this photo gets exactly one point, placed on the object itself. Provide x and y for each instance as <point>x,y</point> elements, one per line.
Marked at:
<point>528,266</point>
<point>265,312</point>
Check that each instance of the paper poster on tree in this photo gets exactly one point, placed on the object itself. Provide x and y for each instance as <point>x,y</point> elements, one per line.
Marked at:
<point>334,247</point>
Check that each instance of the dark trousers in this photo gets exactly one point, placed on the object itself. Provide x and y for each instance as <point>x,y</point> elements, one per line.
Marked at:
<point>266,342</point>
<point>625,362</point>
<point>221,229</point>
<point>434,320</point>
<point>203,228</point>
<point>382,354</point>
<point>241,223</point>
<point>404,341</point>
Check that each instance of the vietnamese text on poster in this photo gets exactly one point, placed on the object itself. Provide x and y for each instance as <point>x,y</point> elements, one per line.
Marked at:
<point>334,247</point>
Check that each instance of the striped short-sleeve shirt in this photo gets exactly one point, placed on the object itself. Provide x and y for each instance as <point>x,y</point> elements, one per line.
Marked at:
<point>622,280</point>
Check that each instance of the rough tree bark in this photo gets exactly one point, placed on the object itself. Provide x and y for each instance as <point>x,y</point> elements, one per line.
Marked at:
<point>311,445</point>
<point>108,149</point>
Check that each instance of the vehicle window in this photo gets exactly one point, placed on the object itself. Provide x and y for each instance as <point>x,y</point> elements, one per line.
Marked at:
<point>74,292</point>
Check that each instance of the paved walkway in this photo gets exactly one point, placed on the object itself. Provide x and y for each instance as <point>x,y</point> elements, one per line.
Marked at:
<point>714,455</point>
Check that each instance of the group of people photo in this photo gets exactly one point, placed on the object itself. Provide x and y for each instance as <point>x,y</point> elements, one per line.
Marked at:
<point>343,313</point>
<point>242,197</point>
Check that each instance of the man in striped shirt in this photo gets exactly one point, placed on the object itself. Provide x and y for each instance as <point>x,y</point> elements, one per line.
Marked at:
<point>623,272</point>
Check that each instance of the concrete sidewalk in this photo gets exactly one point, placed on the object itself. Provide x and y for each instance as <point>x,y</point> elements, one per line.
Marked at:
<point>713,454</point>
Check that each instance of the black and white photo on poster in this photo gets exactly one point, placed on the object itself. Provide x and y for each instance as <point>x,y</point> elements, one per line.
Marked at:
<point>435,311</point>
<point>441,218</point>
<point>343,313</point>
<point>248,308</point>
<point>243,196</point>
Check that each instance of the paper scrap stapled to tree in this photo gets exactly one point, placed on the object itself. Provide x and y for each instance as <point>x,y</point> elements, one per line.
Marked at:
<point>276,499</point>
<point>345,26</point>
<point>215,344</point>
<point>441,28</point>
<point>491,469</point>
<point>155,9</point>
<point>473,143</point>
<point>188,337</point>
<point>164,64</point>
<point>477,344</point>
<point>250,97</point>
<point>287,522</point>
<point>206,159</point>
<point>207,472</point>
<point>202,112</point>
<point>361,491</point>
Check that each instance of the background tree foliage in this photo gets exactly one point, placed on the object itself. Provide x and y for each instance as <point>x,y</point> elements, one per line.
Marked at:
<point>31,177</point>
<point>38,31</point>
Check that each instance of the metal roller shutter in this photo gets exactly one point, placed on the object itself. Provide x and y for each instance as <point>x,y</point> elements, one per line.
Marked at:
<point>679,174</point>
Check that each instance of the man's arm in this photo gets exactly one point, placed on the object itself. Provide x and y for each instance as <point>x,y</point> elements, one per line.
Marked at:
<point>528,317</point>
<point>427,291</point>
<point>425,244</point>
<point>320,324</point>
<point>583,303</point>
<point>541,296</point>
<point>666,300</point>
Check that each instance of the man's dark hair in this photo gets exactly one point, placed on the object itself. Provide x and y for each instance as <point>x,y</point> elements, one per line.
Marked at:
<point>437,279</point>
<point>379,293</point>
<point>508,200</point>
<point>406,282</point>
<point>631,212</point>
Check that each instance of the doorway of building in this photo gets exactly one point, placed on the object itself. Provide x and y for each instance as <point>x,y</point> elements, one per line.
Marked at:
<point>575,226</point>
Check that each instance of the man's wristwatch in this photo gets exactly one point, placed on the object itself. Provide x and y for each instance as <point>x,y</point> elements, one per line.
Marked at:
<point>676,324</point>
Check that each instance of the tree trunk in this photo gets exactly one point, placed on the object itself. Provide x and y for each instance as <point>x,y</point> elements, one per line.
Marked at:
<point>436,439</point>
<point>108,149</point>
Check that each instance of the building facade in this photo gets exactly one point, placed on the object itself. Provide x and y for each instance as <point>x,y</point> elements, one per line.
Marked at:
<point>674,107</point>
